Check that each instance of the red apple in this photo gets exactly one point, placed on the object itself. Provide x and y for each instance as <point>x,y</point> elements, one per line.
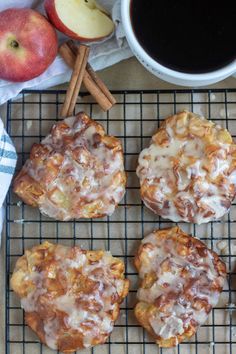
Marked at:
<point>84,20</point>
<point>28,44</point>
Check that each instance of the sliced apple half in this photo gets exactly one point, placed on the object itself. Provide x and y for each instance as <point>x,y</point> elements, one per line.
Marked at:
<point>84,20</point>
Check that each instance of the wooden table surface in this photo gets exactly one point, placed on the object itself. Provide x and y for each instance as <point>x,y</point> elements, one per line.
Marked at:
<point>128,74</point>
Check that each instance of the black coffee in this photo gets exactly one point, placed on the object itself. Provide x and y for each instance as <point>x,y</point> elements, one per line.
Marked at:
<point>193,36</point>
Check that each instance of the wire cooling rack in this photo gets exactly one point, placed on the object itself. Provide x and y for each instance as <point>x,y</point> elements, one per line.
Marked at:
<point>134,119</point>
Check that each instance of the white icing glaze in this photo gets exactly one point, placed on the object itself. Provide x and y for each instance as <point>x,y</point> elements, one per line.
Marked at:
<point>182,163</point>
<point>167,328</point>
<point>181,298</point>
<point>50,329</point>
<point>92,309</point>
<point>29,303</point>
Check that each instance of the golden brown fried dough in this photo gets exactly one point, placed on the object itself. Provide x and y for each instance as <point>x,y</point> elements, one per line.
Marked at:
<point>188,173</point>
<point>181,280</point>
<point>76,172</point>
<point>70,296</point>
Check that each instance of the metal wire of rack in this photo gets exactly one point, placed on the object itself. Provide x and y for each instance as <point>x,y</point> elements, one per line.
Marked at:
<point>134,119</point>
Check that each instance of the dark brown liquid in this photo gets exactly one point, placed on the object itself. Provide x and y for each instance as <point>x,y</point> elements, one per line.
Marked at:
<point>192,36</point>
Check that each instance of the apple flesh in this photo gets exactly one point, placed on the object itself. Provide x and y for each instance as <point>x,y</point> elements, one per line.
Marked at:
<point>84,20</point>
<point>28,44</point>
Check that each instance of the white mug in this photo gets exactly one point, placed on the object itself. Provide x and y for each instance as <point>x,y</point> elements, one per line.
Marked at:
<point>164,73</point>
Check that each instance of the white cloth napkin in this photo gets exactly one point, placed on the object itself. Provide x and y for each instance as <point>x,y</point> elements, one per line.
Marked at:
<point>102,55</point>
<point>8,160</point>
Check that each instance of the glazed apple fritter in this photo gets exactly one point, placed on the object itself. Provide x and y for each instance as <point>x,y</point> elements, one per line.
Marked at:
<point>76,172</point>
<point>188,173</point>
<point>181,280</point>
<point>70,296</point>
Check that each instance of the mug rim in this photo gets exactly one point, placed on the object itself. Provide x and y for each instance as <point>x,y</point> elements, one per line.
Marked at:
<point>211,75</point>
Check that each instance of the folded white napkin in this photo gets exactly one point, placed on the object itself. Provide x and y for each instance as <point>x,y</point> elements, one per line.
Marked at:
<point>8,159</point>
<point>102,55</point>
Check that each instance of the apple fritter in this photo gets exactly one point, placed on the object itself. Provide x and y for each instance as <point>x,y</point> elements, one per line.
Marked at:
<point>76,172</point>
<point>71,297</point>
<point>188,173</point>
<point>181,280</point>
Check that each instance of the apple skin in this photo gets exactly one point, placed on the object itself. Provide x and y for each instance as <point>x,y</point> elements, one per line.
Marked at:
<point>50,9</point>
<point>28,44</point>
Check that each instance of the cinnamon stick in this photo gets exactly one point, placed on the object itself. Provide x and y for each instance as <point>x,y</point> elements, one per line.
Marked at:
<point>75,81</point>
<point>101,84</point>
<point>93,74</point>
<point>92,82</point>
